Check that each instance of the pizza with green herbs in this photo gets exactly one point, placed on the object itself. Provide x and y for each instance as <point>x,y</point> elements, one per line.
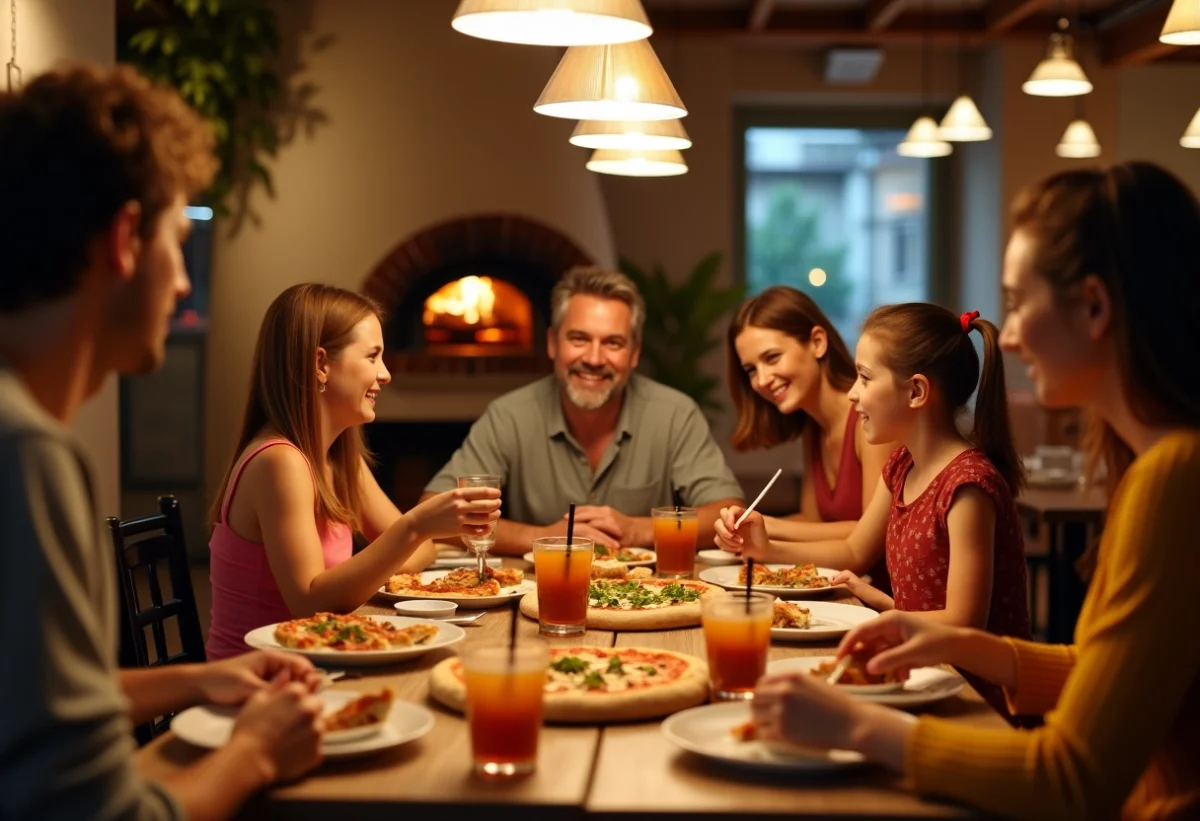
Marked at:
<point>587,685</point>
<point>638,604</point>
<point>350,633</point>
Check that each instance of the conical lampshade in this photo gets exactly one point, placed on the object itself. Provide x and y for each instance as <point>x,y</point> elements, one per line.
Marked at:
<point>553,22</point>
<point>1058,75</point>
<point>1191,137</point>
<point>637,163</point>
<point>924,140</point>
<point>653,135</point>
<point>1183,24</point>
<point>1078,141</point>
<point>621,82</point>
<point>963,123</point>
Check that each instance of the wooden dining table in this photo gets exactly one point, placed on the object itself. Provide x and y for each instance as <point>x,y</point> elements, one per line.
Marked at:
<point>620,772</point>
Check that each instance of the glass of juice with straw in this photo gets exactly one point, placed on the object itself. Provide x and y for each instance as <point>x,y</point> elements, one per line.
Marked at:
<point>505,686</point>
<point>675,540</point>
<point>563,578</point>
<point>737,633</point>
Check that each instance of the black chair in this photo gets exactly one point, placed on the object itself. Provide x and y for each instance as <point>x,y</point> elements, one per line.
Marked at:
<point>142,546</point>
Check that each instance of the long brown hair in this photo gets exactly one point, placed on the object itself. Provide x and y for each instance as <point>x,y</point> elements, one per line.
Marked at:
<point>918,337</point>
<point>1137,228</point>
<point>787,310</point>
<point>283,391</point>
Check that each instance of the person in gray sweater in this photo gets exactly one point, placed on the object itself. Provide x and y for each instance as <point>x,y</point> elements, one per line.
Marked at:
<point>96,166</point>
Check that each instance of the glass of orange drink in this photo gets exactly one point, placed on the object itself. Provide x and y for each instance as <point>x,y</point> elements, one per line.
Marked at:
<point>675,541</point>
<point>563,579</point>
<point>737,633</point>
<point>504,705</point>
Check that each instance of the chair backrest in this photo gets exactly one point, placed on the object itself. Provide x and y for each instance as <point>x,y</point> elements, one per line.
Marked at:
<point>144,548</point>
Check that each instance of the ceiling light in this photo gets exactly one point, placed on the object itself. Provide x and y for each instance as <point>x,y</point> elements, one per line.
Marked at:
<point>648,135</point>
<point>620,82</point>
<point>637,163</point>
<point>924,140</point>
<point>553,22</point>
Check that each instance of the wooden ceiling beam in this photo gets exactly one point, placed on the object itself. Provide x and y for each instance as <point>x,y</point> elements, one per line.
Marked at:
<point>760,13</point>
<point>882,13</point>
<point>1135,41</point>
<point>1002,15</point>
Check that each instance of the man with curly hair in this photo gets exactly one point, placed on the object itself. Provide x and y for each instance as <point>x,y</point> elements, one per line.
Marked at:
<point>96,167</point>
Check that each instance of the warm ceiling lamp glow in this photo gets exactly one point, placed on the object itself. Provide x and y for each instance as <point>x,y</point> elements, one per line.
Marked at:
<point>637,163</point>
<point>963,123</point>
<point>553,22</point>
<point>924,140</point>
<point>1078,141</point>
<point>1058,75</point>
<point>817,277</point>
<point>621,82</point>
<point>1183,24</point>
<point>650,135</point>
<point>1191,137</point>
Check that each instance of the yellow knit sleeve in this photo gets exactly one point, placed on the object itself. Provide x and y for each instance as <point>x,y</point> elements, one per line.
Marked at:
<point>1042,670</point>
<point>1132,670</point>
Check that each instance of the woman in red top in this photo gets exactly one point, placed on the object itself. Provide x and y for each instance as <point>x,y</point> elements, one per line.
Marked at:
<point>945,518</point>
<point>789,371</point>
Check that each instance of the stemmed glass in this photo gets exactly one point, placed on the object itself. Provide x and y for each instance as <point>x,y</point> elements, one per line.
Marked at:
<point>481,544</point>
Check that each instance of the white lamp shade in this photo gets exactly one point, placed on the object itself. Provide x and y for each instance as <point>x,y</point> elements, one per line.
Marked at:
<point>1058,75</point>
<point>637,163</point>
<point>924,140</point>
<point>1183,24</point>
<point>553,22</point>
<point>963,123</point>
<point>621,82</point>
<point>1078,141</point>
<point>651,135</point>
<point>1191,137</point>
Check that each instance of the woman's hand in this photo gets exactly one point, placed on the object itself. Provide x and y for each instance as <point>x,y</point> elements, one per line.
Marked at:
<point>233,680</point>
<point>897,642</point>
<point>749,540</point>
<point>464,511</point>
<point>797,708</point>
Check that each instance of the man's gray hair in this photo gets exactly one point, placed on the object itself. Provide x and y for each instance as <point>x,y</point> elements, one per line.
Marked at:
<point>592,280</point>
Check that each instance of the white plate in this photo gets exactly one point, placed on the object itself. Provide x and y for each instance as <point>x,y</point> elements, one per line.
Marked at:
<point>507,594</point>
<point>727,577</point>
<point>209,726</point>
<point>452,562</point>
<point>924,686</point>
<point>715,556</point>
<point>448,634</point>
<point>706,731</point>
<point>827,620</point>
<point>643,563</point>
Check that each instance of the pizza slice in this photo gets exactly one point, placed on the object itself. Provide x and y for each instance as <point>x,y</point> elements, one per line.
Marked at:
<point>412,635</point>
<point>791,615</point>
<point>367,710</point>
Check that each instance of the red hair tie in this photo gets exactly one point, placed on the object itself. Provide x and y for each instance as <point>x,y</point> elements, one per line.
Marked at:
<point>966,320</point>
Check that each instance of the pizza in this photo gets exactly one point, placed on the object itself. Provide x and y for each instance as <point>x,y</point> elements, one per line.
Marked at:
<point>350,633</point>
<point>622,554</point>
<point>855,675</point>
<point>791,615</point>
<point>802,576</point>
<point>368,710</point>
<point>585,685</point>
<point>613,569</point>
<point>461,582</point>
<point>638,603</point>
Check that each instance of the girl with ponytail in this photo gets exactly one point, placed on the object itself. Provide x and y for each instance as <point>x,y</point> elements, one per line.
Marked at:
<point>943,516</point>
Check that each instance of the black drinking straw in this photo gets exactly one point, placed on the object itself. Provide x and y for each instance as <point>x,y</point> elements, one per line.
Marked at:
<point>749,580</point>
<point>570,535</point>
<point>512,633</point>
<point>677,498</point>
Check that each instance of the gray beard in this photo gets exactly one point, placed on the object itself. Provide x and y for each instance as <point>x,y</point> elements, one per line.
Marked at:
<point>591,399</point>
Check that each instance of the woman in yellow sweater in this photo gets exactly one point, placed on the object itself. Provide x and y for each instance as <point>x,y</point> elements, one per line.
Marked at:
<point>1102,281</point>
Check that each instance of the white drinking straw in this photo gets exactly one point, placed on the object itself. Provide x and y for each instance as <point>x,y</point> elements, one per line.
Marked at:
<point>753,504</point>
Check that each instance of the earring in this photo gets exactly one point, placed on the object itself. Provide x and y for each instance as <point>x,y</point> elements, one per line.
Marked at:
<point>320,387</point>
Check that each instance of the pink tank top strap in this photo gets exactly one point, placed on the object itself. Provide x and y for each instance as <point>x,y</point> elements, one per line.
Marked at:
<point>237,472</point>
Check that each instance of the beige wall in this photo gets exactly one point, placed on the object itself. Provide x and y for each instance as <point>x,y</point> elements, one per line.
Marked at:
<point>48,32</point>
<point>421,124</point>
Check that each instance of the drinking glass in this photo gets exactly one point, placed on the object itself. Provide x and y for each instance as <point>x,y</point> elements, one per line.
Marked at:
<point>563,580</point>
<point>737,633</point>
<point>481,544</point>
<point>675,540</point>
<point>504,705</point>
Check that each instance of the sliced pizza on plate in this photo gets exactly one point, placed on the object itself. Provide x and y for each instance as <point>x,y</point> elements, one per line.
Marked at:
<point>638,603</point>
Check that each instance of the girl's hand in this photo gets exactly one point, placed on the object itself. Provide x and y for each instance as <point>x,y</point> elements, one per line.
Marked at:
<point>750,540</point>
<point>464,511</point>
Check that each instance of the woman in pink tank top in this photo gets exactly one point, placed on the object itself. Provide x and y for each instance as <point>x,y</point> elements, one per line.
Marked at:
<point>789,371</point>
<point>299,486</point>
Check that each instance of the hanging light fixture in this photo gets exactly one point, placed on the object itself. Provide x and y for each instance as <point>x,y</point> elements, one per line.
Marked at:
<point>620,82</point>
<point>637,163</point>
<point>963,123</point>
<point>653,135</point>
<point>924,139</point>
<point>553,22</point>
<point>1191,136</point>
<point>1058,74</point>
<point>1183,24</point>
<point>1078,141</point>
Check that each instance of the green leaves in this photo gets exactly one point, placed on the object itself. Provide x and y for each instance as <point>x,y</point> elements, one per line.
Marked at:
<point>680,319</point>
<point>217,54</point>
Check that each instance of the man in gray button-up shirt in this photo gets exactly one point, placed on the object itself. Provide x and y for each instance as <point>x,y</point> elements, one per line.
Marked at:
<point>594,433</point>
